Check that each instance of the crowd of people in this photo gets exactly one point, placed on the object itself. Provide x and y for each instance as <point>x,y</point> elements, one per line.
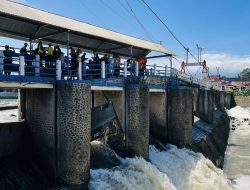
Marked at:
<point>91,66</point>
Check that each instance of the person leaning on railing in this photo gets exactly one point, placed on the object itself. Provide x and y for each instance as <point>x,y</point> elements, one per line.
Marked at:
<point>142,61</point>
<point>117,65</point>
<point>8,54</point>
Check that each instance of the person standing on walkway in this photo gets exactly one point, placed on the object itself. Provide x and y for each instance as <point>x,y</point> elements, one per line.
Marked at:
<point>183,69</point>
<point>204,67</point>
<point>8,54</point>
<point>50,54</point>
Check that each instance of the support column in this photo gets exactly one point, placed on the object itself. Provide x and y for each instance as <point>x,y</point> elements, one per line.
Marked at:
<point>73,132</point>
<point>21,104</point>
<point>137,120</point>
<point>180,116</point>
<point>208,106</point>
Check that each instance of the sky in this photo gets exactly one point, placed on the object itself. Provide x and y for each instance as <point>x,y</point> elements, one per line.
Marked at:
<point>221,27</point>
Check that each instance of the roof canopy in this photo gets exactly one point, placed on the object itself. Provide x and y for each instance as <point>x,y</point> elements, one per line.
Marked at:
<point>26,23</point>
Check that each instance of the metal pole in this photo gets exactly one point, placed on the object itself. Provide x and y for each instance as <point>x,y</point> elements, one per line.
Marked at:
<point>131,52</point>
<point>21,66</point>
<point>68,54</point>
<point>103,74</point>
<point>198,53</point>
<point>187,50</point>
<point>125,69</point>
<point>58,70</point>
<point>171,66</point>
<point>79,69</point>
<point>166,70</point>
<point>155,69</point>
<point>31,48</point>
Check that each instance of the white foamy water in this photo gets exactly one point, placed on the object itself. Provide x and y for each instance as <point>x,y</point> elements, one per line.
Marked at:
<point>188,170</point>
<point>174,169</point>
<point>8,116</point>
<point>237,157</point>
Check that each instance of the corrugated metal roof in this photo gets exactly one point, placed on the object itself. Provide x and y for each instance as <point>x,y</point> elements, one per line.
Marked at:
<point>32,15</point>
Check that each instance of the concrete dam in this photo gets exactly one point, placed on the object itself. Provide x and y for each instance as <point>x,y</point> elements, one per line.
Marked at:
<point>55,123</point>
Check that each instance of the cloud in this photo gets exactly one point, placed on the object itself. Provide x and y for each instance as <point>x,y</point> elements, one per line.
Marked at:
<point>230,65</point>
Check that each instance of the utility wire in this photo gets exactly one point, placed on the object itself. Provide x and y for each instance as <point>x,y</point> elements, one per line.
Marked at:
<point>120,15</point>
<point>92,12</point>
<point>169,30</point>
<point>139,22</point>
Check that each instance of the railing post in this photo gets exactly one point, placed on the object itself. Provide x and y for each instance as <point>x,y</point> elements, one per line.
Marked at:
<point>58,70</point>
<point>155,69</point>
<point>137,69</point>
<point>1,62</point>
<point>37,66</point>
<point>79,70</point>
<point>125,69</point>
<point>21,66</point>
<point>166,70</point>
<point>103,70</point>
<point>84,70</point>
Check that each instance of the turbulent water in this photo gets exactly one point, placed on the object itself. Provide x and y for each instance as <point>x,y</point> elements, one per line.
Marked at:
<point>237,157</point>
<point>173,169</point>
<point>182,169</point>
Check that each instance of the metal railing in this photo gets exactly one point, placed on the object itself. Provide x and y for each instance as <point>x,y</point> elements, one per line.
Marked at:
<point>25,66</point>
<point>205,83</point>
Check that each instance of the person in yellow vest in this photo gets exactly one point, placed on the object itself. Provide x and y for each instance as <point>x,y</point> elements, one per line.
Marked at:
<point>40,50</point>
<point>50,54</point>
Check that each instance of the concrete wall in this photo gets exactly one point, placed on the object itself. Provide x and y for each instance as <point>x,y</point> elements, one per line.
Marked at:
<point>11,138</point>
<point>74,132</point>
<point>40,118</point>
<point>137,121</point>
<point>180,116</point>
<point>158,115</point>
<point>206,105</point>
<point>242,101</point>
<point>213,146</point>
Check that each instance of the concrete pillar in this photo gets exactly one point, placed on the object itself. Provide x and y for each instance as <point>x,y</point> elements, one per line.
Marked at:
<point>222,100</point>
<point>41,122</point>
<point>208,106</point>
<point>195,99</point>
<point>73,132</point>
<point>228,100</point>
<point>158,115</point>
<point>21,104</point>
<point>180,116</point>
<point>137,121</point>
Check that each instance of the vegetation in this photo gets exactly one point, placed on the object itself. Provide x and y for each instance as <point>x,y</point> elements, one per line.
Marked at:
<point>245,74</point>
<point>242,93</point>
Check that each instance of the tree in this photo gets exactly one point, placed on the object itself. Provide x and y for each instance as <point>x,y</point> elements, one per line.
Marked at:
<point>245,74</point>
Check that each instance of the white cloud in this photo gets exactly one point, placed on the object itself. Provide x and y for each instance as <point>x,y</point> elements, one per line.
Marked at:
<point>230,65</point>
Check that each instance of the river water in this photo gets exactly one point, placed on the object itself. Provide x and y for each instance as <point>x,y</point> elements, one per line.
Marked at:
<point>173,168</point>
<point>182,169</point>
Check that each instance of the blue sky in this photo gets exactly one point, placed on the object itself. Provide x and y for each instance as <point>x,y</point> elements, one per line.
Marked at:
<point>220,26</point>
